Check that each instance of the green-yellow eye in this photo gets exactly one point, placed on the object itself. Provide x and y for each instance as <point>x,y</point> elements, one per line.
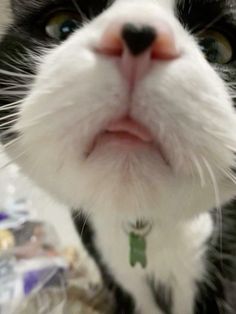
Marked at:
<point>62,24</point>
<point>216,46</point>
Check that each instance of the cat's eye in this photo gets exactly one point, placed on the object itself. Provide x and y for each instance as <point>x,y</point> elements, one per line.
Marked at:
<point>61,24</point>
<point>216,47</point>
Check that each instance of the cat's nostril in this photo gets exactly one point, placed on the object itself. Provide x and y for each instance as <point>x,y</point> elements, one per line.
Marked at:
<point>138,38</point>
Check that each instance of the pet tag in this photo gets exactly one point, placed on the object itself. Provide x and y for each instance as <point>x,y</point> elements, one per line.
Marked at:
<point>137,242</point>
<point>137,250</point>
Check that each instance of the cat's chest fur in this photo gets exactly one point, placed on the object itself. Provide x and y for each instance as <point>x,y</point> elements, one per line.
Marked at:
<point>175,257</point>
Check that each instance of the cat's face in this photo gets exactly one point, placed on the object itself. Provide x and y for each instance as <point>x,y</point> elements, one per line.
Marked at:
<point>73,88</point>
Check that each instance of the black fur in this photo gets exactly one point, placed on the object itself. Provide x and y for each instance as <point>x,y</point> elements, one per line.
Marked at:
<point>221,269</point>
<point>162,295</point>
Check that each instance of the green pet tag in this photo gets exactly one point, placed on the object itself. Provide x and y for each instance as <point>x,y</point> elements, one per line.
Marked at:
<point>137,233</point>
<point>137,245</point>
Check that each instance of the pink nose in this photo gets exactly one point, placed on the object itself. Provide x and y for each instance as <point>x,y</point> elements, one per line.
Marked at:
<point>137,46</point>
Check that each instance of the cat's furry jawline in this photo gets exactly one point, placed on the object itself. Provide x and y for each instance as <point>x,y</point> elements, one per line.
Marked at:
<point>186,261</point>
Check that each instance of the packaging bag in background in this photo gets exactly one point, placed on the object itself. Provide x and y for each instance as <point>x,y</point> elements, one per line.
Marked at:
<point>36,275</point>
<point>29,253</point>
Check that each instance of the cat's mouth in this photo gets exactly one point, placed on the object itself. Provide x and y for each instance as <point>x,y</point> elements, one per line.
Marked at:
<point>127,134</point>
<point>125,131</point>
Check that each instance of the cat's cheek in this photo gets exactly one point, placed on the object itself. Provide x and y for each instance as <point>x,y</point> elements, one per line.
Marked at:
<point>200,103</point>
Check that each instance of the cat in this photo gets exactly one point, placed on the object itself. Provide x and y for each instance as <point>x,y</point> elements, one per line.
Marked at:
<point>124,111</point>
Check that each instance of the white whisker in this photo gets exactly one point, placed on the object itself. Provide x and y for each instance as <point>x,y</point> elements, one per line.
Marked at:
<point>229,174</point>
<point>13,93</point>
<point>214,182</point>
<point>199,170</point>
<point>12,161</point>
<point>81,13</point>
<point>37,120</point>
<point>9,116</point>
<point>5,124</point>
<point>5,146</point>
<point>21,75</point>
<point>217,199</point>
<point>16,86</point>
<point>13,66</point>
<point>10,105</point>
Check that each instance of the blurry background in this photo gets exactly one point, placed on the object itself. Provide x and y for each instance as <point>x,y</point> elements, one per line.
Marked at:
<point>15,186</point>
<point>35,282</point>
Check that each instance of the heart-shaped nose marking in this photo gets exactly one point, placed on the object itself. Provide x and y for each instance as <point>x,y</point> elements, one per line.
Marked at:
<point>138,38</point>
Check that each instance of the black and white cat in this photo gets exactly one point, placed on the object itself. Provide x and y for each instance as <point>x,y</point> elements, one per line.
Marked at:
<point>125,110</point>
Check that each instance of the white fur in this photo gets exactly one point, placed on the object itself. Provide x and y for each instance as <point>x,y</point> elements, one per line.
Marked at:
<point>188,109</point>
